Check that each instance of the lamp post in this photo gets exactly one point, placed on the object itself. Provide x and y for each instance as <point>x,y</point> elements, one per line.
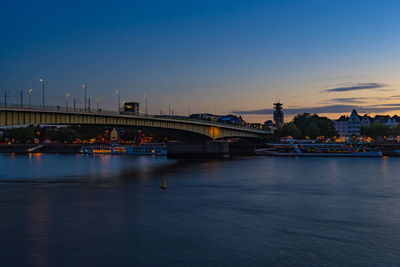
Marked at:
<point>169,106</point>
<point>97,103</point>
<point>84,87</point>
<point>5,98</point>
<point>22,101</point>
<point>30,96</point>
<point>188,108</point>
<point>66,101</point>
<point>42,81</point>
<point>119,99</point>
<point>145,98</point>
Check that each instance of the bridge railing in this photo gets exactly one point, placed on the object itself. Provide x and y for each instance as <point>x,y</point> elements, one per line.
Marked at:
<point>207,121</point>
<point>27,107</point>
<point>57,108</point>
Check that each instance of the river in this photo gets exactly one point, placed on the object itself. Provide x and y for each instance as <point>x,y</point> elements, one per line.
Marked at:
<point>82,210</point>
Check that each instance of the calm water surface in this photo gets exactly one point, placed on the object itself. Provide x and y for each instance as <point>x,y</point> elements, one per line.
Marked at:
<point>76,210</point>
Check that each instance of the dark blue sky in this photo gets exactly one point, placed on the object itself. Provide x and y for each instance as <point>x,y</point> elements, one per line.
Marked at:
<point>216,55</point>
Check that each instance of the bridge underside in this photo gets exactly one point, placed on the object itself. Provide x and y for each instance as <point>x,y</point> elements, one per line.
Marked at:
<point>170,134</point>
<point>30,117</point>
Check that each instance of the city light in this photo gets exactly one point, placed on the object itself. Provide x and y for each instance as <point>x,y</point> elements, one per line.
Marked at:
<point>42,81</point>
<point>30,96</point>
<point>66,101</point>
<point>85,87</point>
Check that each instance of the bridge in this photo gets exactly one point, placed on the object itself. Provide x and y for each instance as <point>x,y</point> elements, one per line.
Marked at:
<point>17,116</point>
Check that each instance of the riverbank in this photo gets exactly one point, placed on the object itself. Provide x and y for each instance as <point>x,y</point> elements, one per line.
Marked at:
<point>236,149</point>
<point>230,150</point>
<point>49,148</point>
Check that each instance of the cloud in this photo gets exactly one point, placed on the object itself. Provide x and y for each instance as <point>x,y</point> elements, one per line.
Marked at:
<point>349,99</point>
<point>358,86</point>
<point>334,78</point>
<point>355,100</point>
<point>386,90</point>
<point>325,109</point>
<point>388,105</point>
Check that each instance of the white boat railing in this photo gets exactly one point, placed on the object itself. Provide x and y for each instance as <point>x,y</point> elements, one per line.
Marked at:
<point>295,147</point>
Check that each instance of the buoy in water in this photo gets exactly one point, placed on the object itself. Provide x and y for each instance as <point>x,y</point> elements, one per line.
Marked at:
<point>164,184</point>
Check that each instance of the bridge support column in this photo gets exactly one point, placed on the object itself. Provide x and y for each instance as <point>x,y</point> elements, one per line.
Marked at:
<point>201,149</point>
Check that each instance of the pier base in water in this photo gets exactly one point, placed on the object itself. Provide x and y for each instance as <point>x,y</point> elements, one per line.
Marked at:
<point>203,149</point>
<point>164,184</point>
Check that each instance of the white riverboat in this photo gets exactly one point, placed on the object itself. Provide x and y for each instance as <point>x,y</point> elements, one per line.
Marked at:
<point>315,148</point>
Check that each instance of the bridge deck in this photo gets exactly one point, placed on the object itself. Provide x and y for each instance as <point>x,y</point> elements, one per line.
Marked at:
<point>13,116</point>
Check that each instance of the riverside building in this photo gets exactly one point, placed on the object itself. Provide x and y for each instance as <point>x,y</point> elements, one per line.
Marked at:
<point>350,126</point>
<point>278,114</point>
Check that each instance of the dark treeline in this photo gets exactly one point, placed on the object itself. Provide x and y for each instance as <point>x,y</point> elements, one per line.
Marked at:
<point>380,130</point>
<point>313,126</point>
<point>26,135</point>
<point>306,125</point>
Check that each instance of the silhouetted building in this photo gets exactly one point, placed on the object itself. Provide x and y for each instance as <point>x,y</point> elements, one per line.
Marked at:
<point>278,114</point>
<point>268,123</point>
<point>381,118</point>
<point>366,121</point>
<point>393,122</point>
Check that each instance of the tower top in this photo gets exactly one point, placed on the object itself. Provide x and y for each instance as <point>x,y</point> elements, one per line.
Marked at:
<point>278,114</point>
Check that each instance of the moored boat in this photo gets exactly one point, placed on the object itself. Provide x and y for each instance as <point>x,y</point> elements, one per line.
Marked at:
<point>118,149</point>
<point>314,148</point>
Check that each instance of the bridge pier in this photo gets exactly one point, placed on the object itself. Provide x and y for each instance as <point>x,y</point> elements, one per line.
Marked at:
<point>208,149</point>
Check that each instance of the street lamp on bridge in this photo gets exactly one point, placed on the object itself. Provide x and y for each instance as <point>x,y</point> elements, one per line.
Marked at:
<point>169,106</point>
<point>42,81</point>
<point>188,108</point>
<point>145,98</point>
<point>30,96</point>
<point>84,86</point>
<point>97,103</point>
<point>66,101</point>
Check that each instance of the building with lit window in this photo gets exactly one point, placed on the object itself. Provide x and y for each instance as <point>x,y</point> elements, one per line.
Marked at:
<point>354,124</point>
<point>341,125</point>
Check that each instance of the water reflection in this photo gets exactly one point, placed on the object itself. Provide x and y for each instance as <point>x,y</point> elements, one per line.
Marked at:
<point>110,211</point>
<point>38,231</point>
